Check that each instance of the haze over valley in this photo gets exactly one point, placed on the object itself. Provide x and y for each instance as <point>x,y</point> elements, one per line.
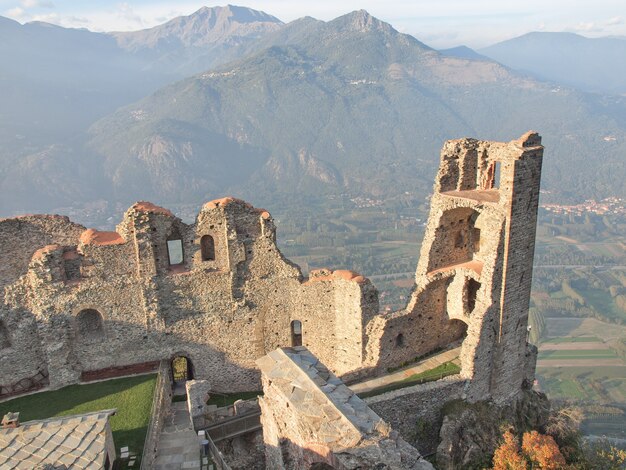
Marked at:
<point>232,100</point>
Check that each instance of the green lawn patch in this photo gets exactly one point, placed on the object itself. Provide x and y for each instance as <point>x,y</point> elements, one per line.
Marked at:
<point>132,396</point>
<point>573,339</point>
<point>439,372</point>
<point>228,399</point>
<point>582,354</point>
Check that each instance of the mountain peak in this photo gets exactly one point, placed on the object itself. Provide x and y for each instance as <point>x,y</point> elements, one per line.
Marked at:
<point>234,13</point>
<point>206,27</point>
<point>362,21</point>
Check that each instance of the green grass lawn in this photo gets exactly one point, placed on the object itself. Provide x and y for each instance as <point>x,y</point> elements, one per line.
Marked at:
<point>444,370</point>
<point>229,399</point>
<point>132,397</point>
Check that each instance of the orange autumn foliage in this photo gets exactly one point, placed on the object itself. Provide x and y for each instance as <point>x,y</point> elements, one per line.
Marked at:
<point>538,452</point>
<point>507,456</point>
<point>542,451</point>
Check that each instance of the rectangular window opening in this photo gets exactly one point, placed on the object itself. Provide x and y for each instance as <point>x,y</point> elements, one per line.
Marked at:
<point>175,251</point>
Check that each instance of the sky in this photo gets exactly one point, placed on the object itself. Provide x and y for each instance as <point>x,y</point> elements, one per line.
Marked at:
<point>438,23</point>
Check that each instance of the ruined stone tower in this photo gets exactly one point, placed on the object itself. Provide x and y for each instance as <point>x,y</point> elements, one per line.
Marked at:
<point>81,304</point>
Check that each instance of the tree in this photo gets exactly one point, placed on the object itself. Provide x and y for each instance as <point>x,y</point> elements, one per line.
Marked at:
<point>507,456</point>
<point>602,454</point>
<point>542,451</point>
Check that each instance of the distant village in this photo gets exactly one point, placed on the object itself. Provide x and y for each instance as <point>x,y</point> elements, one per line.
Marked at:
<point>608,206</point>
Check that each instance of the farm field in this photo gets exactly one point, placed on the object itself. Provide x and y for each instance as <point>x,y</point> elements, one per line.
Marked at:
<point>577,360</point>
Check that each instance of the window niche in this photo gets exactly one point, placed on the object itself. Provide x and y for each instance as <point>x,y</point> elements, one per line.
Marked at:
<point>472,292</point>
<point>90,324</point>
<point>296,333</point>
<point>207,248</point>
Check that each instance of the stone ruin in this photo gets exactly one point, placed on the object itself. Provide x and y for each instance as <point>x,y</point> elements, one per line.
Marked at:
<point>80,304</point>
<point>311,419</point>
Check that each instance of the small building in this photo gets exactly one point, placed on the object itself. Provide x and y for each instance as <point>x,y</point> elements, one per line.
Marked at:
<point>79,441</point>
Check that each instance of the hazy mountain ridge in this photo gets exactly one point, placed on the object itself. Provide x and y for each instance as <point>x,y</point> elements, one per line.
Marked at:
<point>370,104</point>
<point>56,81</point>
<point>313,108</point>
<point>198,41</point>
<point>591,64</point>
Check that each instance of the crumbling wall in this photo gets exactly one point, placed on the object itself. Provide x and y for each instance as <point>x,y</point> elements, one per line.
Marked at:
<point>21,236</point>
<point>310,417</point>
<point>474,273</point>
<point>416,411</point>
<point>116,299</point>
<point>87,301</point>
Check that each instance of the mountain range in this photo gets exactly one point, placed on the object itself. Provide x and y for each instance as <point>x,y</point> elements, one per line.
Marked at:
<point>596,65</point>
<point>269,110</point>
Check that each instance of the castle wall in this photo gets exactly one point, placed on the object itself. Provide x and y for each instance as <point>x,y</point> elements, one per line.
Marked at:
<point>416,412</point>
<point>220,293</point>
<point>114,299</point>
<point>21,236</point>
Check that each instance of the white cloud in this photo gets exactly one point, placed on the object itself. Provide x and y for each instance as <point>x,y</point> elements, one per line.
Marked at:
<point>37,4</point>
<point>587,27</point>
<point>615,21</point>
<point>126,13</point>
<point>16,13</point>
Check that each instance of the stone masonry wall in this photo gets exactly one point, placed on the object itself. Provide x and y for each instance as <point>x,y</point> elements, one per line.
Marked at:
<point>474,273</point>
<point>310,417</point>
<point>77,303</point>
<point>103,301</point>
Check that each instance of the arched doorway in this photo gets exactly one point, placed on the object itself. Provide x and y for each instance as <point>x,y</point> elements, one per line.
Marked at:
<point>182,370</point>
<point>296,333</point>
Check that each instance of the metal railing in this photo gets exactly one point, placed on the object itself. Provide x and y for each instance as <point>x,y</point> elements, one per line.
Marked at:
<point>233,427</point>
<point>215,454</point>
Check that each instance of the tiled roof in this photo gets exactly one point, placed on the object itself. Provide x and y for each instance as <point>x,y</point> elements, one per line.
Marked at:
<point>77,441</point>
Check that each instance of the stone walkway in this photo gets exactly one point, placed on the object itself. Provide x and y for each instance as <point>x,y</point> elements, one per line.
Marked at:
<point>178,443</point>
<point>452,355</point>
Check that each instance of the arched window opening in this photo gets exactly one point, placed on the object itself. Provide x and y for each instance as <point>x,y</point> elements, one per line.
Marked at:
<point>207,247</point>
<point>472,291</point>
<point>90,324</point>
<point>296,333</point>
<point>5,339</point>
<point>181,369</point>
<point>457,330</point>
<point>400,340</point>
<point>175,251</point>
